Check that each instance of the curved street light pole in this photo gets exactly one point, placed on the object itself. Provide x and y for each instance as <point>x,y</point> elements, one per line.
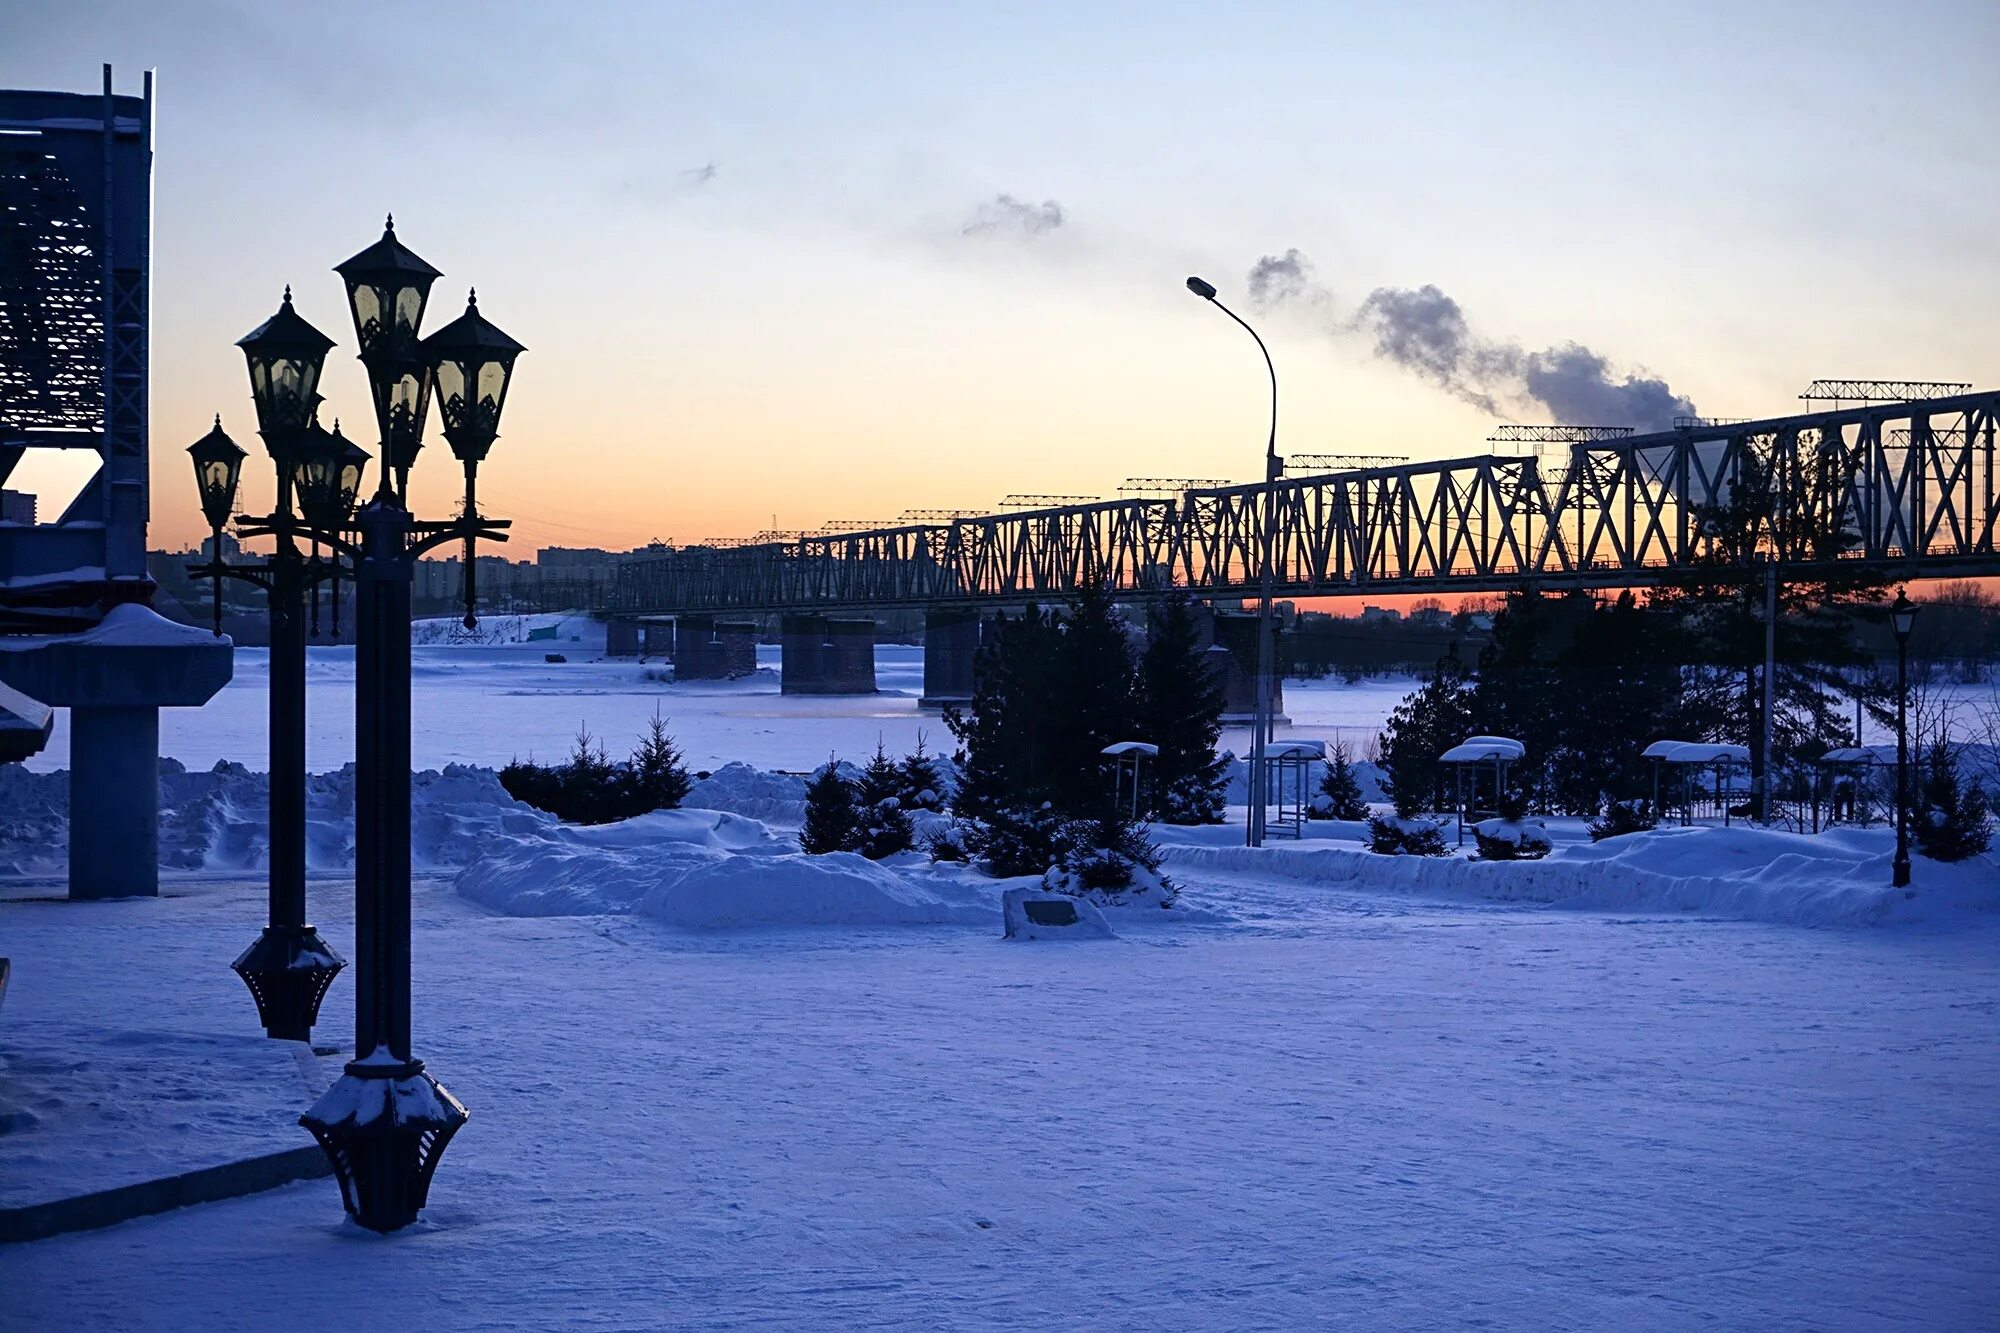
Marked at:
<point>1260,723</point>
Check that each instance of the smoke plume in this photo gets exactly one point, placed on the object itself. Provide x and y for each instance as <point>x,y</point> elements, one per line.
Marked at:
<point>1005,214</point>
<point>1425,331</point>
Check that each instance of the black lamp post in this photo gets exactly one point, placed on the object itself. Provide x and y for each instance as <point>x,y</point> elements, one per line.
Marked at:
<point>289,967</point>
<point>1902,618</point>
<point>1274,467</point>
<point>385,1122</point>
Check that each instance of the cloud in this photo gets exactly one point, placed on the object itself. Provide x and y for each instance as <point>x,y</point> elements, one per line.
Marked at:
<point>1425,331</point>
<point>1004,214</point>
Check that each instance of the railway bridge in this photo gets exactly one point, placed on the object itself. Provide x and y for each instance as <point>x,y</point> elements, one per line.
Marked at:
<point>1907,487</point>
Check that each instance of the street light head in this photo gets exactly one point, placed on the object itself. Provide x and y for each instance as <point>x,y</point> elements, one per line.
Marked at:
<point>284,355</point>
<point>471,361</point>
<point>326,476</point>
<point>1902,616</point>
<point>218,463</point>
<point>1205,290</point>
<point>388,286</point>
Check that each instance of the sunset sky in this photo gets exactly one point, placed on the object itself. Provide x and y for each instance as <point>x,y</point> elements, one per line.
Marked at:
<point>792,263</point>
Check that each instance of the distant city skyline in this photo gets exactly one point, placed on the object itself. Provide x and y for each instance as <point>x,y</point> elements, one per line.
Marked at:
<point>782,264</point>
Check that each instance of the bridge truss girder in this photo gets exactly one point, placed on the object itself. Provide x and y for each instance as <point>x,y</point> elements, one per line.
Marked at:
<point>1908,486</point>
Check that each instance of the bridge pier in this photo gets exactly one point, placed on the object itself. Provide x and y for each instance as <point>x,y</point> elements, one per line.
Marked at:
<point>656,639</point>
<point>621,638</point>
<point>736,643</point>
<point>1233,653</point>
<point>822,655</point>
<point>696,654</point>
<point>951,643</point>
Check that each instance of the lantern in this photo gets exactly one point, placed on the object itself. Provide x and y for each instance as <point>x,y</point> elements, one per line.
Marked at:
<point>218,464</point>
<point>387,287</point>
<point>285,354</point>
<point>471,361</point>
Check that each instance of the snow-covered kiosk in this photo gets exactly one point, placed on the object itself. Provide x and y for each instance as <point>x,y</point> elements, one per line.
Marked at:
<point>1679,768</point>
<point>1480,762</point>
<point>1127,759</point>
<point>1847,782</point>
<point>1286,767</point>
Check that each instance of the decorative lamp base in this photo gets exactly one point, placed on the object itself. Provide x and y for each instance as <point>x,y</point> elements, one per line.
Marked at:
<point>288,971</point>
<point>383,1125</point>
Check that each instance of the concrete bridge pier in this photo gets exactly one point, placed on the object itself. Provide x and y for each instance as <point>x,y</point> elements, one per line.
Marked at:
<point>621,638</point>
<point>736,645</point>
<point>1234,655</point>
<point>822,655</point>
<point>951,642</point>
<point>656,639</point>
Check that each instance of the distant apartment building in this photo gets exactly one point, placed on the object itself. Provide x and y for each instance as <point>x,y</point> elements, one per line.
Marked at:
<point>17,506</point>
<point>1372,615</point>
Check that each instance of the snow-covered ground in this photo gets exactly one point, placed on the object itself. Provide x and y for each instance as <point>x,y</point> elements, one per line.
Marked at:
<point>1299,1104</point>
<point>486,704</point>
<point>1704,1077</point>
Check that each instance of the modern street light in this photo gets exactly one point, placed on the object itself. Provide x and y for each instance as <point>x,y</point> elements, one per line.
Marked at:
<point>289,967</point>
<point>1274,466</point>
<point>1902,618</point>
<point>385,1122</point>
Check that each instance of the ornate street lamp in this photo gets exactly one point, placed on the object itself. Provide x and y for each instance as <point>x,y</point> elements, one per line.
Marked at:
<point>1274,468</point>
<point>471,363</point>
<point>289,967</point>
<point>385,1122</point>
<point>388,286</point>
<point>1902,619</point>
<point>218,465</point>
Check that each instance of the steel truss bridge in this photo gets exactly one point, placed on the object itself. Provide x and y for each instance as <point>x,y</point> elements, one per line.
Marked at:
<point>1907,487</point>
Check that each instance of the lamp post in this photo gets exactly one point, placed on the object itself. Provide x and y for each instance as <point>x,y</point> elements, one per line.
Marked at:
<point>289,967</point>
<point>1274,466</point>
<point>1902,618</point>
<point>385,1122</point>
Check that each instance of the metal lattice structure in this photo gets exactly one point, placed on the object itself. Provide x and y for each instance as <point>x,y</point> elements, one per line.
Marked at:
<point>1513,434</point>
<point>1880,391</point>
<point>1302,464</point>
<point>75,249</point>
<point>1833,486</point>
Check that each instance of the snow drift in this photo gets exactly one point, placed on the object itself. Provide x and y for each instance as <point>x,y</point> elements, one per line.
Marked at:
<point>1837,878</point>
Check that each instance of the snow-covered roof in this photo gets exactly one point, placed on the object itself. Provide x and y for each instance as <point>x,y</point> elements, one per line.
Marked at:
<point>1131,747</point>
<point>1483,749</point>
<point>1696,752</point>
<point>1859,754</point>
<point>1296,750</point>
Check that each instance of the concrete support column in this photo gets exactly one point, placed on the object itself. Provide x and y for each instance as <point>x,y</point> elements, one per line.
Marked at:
<point>621,638</point>
<point>736,647</point>
<point>656,640</point>
<point>826,656</point>
<point>951,643</point>
<point>114,802</point>
<point>695,655</point>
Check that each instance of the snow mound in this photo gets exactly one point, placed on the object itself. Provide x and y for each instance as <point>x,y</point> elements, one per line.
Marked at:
<point>839,889</point>
<point>217,819</point>
<point>590,870</point>
<point>1839,878</point>
<point>779,798</point>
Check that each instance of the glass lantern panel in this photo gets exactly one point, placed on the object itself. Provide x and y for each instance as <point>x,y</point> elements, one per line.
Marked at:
<point>367,313</point>
<point>409,310</point>
<point>451,389</point>
<point>492,382</point>
<point>215,477</point>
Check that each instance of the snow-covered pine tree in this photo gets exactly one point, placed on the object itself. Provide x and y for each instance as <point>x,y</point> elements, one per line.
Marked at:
<point>1339,790</point>
<point>883,826</point>
<point>1422,727</point>
<point>832,823</point>
<point>658,779</point>
<point>1949,822</point>
<point>1180,702</point>
<point>923,782</point>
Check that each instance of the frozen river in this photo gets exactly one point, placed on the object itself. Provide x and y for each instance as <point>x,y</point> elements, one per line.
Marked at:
<point>487,705</point>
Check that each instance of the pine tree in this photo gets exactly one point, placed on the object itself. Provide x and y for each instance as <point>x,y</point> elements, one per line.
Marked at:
<point>883,826</point>
<point>1422,727</point>
<point>1091,702</point>
<point>923,781</point>
<point>1001,757</point>
<point>1179,708</point>
<point>1339,790</point>
<point>832,822</point>
<point>1949,821</point>
<point>658,780</point>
